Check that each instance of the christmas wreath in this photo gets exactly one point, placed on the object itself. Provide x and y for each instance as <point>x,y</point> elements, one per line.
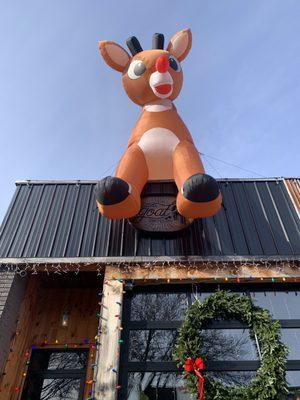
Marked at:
<point>269,382</point>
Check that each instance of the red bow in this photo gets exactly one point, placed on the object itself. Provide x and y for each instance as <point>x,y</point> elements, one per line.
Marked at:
<point>196,366</point>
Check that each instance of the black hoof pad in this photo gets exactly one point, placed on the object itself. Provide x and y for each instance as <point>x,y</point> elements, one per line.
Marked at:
<point>200,188</point>
<point>111,190</point>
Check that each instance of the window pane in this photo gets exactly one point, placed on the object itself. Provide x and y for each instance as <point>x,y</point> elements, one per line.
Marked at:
<point>293,378</point>
<point>52,360</point>
<point>57,389</point>
<point>157,386</point>
<point>228,345</point>
<point>67,360</point>
<point>151,345</point>
<point>229,378</point>
<point>282,305</point>
<point>170,386</point>
<point>200,295</point>
<point>55,374</point>
<point>291,337</point>
<point>158,306</point>
<point>224,345</point>
<point>39,388</point>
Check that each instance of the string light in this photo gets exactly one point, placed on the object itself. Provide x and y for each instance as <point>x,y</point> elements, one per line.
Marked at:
<point>67,345</point>
<point>204,264</point>
<point>153,266</point>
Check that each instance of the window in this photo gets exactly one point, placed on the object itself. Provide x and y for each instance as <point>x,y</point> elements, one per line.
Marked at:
<point>152,315</point>
<point>56,374</point>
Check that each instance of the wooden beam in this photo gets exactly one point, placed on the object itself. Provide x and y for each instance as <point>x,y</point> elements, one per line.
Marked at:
<point>213,273</point>
<point>109,348</point>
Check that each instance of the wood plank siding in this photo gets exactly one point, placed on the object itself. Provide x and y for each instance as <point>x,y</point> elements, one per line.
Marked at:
<point>40,325</point>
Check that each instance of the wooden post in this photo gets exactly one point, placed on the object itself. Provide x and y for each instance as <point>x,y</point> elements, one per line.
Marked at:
<point>109,349</point>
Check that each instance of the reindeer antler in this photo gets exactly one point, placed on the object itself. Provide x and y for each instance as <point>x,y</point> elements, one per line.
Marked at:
<point>134,45</point>
<point>158,40</point>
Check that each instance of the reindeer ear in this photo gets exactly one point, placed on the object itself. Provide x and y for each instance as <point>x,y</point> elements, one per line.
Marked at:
<point>180,44</point>
<point>114,55</point>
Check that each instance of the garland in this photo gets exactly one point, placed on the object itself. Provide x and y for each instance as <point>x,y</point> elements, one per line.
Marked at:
<point>269,382</point>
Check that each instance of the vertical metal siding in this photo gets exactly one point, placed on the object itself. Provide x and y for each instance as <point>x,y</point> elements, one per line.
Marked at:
<point>278,231</point>
<point>246,217</point>
<point>12,224</point>
<point>261,223</point>
<point>11,208</point>
<point>25,222</point>
<point>103,237</point>
<point>60,219</point>
<point>65,222</point>
<point>39,223</point>
<point>90,229</point>
<point>73,244</point>
<point>129,242</point>
<point>225,239</point>
<point>51,223</point>
<point>233,220</point>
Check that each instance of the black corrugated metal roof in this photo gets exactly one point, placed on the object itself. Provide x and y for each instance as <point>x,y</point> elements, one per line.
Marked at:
<point>60,219</point>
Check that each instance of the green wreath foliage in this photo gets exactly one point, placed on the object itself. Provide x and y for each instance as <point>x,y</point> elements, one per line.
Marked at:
<point>270,380</point>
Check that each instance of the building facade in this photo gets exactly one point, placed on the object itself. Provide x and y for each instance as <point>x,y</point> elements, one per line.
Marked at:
<point>89,308</point>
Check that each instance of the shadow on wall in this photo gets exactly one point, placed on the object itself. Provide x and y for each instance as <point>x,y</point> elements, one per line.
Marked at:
<point>12,290</point>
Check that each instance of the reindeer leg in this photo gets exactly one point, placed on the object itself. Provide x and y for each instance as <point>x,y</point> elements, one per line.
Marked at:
<point>119,196</point>
<point>198,193</point>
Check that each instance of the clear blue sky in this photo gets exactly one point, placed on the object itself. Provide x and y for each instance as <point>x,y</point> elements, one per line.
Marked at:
<point>63,112</point>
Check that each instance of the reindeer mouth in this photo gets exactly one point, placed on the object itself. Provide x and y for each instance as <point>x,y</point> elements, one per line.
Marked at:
<point>161,84</point>
<point>164,88</point>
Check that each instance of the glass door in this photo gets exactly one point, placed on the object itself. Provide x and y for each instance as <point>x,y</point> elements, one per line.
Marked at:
<point>56,374</point>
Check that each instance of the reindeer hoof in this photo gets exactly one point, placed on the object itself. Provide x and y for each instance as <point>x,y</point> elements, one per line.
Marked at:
<point>111,190</point>
<point>200,188</point>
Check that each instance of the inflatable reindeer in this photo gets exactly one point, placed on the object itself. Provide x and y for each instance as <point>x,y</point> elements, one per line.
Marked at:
<point>160,147</point>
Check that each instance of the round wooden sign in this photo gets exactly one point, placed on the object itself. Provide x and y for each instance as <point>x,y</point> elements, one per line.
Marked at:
<point>158,212</point>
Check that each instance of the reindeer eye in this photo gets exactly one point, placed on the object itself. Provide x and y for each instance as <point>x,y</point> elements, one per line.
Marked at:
<point>174,64</point>
<point>136,69</point>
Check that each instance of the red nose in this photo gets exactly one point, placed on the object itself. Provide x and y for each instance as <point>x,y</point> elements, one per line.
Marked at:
<point>162,64</point>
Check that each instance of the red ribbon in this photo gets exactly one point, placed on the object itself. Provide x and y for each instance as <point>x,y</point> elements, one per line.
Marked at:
<point>196,366</point>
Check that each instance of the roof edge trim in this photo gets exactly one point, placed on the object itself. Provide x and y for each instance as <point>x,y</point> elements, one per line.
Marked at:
<point>94,181</point>
<point>135,260</point>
